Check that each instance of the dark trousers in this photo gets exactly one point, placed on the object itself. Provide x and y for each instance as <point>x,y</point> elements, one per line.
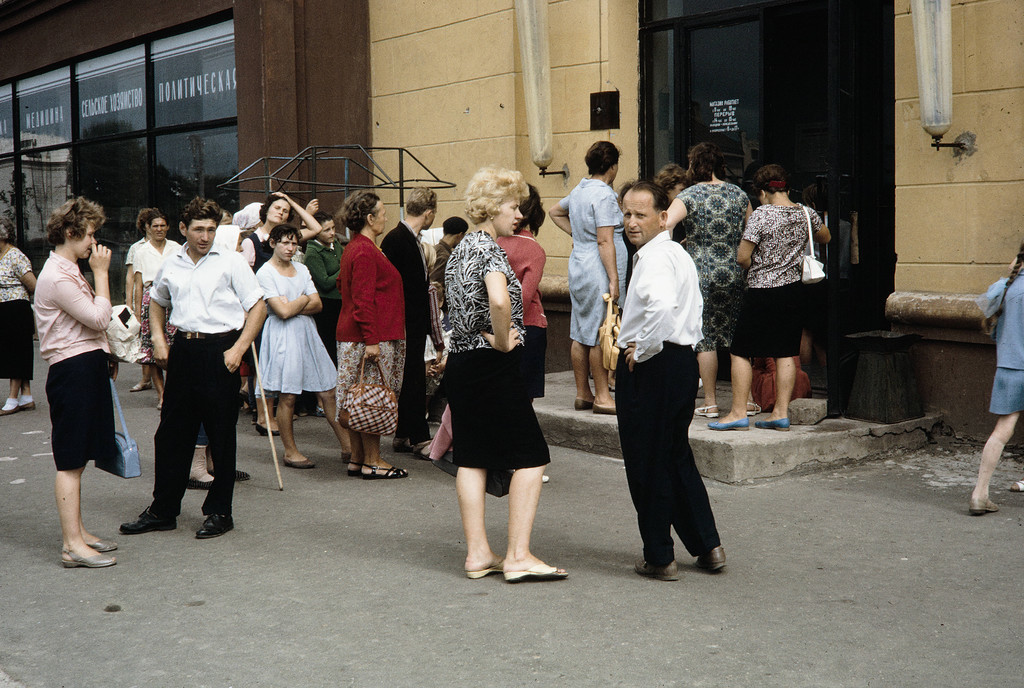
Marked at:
<point>199,390</point>
<point>327,326</point>
<point>654,407</point>
<point>412,400</point>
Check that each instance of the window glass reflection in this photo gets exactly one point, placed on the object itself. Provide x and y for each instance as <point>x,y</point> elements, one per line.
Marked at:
<point>726,93</point>
<point>193,164</point>
<point>44,104</point>
<point>7,189</point>
<point>660,74</point>
<point>6,118</point>
<point>47,179</point>
<point>194,76</point>
<point>112,93</point>
<point>114,175</point>
<point>667,9</point>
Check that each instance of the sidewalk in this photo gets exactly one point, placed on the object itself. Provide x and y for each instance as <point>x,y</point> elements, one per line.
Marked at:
<point>864,575</point>
<point>732,456</point>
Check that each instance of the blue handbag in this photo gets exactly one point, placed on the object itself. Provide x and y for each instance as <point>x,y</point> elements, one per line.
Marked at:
<point>126,463</point>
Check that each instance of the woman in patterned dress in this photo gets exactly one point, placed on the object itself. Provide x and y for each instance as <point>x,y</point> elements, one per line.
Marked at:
<point>493,423</point>
<point>17,282</point>
<point>148,259</point>
<point>371,327</point>
<point>772,315</point>
<point>712,214</point>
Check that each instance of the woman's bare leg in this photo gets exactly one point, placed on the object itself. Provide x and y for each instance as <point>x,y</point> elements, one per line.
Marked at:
<point>602,396</point>
<point>326,400</point>
<point>68,492</point>
<point>470,486</point>
<point>993,449</point>
<point>707,361</point>
<point>742,376</point>
<point>285,418</point>
<point>523,496</point>
<point>785,381</point>
<point>157,376</point>
<point>580,356</point>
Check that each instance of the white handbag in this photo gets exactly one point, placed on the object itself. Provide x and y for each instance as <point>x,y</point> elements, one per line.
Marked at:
<point>123,335</point>
<point>812,270</point>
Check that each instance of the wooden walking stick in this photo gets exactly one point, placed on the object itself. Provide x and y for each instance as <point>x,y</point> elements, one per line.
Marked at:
<point>266,412</point>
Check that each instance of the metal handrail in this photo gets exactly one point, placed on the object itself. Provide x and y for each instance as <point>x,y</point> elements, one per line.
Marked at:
<point>364,163</point>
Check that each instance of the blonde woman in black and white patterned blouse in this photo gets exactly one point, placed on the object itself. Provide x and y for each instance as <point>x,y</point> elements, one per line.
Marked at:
<point>493,424</point>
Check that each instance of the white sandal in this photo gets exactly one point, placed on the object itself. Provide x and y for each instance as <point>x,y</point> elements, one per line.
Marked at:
<point>753,411</point>
<point>1018,486</point>
<point>706,411</point>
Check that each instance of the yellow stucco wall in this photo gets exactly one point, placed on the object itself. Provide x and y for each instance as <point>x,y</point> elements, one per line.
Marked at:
<point>958,219</point>
<point>446,85</point>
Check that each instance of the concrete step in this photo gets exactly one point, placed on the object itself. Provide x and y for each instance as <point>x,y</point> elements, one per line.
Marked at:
<point>735,456</point>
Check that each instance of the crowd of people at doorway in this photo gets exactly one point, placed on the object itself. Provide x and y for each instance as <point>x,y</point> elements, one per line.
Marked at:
<point>205,302</point>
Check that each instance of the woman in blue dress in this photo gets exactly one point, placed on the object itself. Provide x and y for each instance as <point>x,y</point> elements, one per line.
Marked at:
<point>1005,320</point>
<point>590,214</point>
<point>292,355</point>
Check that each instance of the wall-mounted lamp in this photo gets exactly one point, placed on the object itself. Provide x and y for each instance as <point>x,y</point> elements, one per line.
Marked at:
<point>933,43</point>
<point>532,25</point>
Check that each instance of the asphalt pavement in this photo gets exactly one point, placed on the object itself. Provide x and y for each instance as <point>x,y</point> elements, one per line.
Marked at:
<point>869,574</point>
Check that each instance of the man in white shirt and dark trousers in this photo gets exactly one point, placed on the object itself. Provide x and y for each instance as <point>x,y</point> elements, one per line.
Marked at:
<point>217,306</point>
<point>656,387</point>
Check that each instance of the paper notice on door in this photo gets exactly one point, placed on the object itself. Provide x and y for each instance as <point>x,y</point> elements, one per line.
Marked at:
<point>723,115</point>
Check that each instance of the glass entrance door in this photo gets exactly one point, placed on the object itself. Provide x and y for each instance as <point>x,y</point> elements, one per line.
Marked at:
<point>806,84</point>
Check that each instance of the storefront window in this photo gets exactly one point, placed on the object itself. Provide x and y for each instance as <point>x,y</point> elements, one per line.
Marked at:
<point>47,178</point>
<point>194,76</point>
<point>44,103</point>
<point>6,119</point>
<point>114,175</point>
<point>7,189</point>
<point>193,164</point>
<point>669,9</point>
<point>660,99</point>
<point>112,93</point>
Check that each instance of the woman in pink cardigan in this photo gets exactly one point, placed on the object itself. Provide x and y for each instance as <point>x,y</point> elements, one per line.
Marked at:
<point>72,319</point>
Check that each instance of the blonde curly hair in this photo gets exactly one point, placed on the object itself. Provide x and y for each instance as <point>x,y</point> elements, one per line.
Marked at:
<point>489,188</point>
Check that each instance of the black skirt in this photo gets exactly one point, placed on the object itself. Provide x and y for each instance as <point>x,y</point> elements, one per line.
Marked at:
<point>493,423</point>
<point>534,350</point>
<point>770,322</point>
<point>16,340</point>
<point>81,410</point>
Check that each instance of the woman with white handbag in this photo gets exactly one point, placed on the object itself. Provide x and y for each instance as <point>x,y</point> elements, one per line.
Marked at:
<point>772,251</point>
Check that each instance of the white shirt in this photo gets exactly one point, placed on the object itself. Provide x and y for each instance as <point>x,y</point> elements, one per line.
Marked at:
<point>663,302</point>
<point>211,296</point>
<point>149,258</point>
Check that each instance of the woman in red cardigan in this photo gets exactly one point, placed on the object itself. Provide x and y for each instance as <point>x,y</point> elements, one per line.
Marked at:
<point>372,322</point>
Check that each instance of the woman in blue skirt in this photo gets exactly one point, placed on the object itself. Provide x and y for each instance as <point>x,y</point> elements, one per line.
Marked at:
<point>1005,320</point>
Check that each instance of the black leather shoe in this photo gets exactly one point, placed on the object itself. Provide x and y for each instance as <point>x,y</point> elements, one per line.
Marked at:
<point>713,560</point>
<point>215,525</point>
<point>148,521</point>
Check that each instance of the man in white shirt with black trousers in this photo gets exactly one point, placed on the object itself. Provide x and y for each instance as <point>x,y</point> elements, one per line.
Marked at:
<point>217,306</point>
<point>656,388</point>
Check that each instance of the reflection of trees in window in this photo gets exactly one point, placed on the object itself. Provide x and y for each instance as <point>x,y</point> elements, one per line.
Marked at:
<point>187,166</point>
<point>7,190</point>
<point>47,185</point>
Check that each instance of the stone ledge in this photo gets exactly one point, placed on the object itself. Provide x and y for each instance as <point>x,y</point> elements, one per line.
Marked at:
<point>733,457</point>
